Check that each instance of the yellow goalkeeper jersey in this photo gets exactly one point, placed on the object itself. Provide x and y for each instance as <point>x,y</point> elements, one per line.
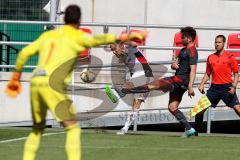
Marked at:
<point>60,46</point>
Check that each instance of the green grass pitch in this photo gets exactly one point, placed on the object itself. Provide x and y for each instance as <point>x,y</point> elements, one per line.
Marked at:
<point>109,146</point>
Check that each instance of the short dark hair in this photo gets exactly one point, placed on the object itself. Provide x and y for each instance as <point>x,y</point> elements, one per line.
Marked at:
<point>221,36</point>
<point>189,32</point>
<point>72,14</point>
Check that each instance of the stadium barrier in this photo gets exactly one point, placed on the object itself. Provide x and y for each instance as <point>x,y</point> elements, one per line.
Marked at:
<point>128,27</point>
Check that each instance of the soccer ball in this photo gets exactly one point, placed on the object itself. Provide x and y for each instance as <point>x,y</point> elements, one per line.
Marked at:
<point>87,75</point>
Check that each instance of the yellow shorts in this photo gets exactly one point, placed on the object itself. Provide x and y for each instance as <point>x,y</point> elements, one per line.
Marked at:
<point>43,97</point>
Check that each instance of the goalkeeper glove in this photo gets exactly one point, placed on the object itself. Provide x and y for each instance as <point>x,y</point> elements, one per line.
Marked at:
<point>14,86</point>
<point>141,35</point>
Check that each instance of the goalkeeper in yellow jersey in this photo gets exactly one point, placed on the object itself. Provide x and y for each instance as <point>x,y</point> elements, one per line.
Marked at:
<point>57,52</point>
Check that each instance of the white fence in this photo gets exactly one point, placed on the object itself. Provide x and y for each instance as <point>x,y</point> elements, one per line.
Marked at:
<point>153,111</point>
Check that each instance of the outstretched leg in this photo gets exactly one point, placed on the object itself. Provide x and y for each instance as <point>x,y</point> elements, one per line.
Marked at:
<point>163,85</point>
<point>237,109</point>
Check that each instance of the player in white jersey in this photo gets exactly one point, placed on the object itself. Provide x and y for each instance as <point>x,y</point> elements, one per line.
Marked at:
<point>140,73</point>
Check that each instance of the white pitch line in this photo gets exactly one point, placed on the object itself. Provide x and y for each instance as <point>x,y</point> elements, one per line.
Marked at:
<point>23,138</point>
<point>163,148</point>
<point>160,148</point>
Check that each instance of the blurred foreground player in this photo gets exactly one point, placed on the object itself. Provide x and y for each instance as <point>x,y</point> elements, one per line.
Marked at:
<point>57,52</point>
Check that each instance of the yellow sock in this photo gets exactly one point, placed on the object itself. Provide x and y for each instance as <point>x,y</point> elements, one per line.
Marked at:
<point>73,144</point>
<point>32,144</point>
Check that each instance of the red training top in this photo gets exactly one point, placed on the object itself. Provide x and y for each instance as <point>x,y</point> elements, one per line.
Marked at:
<point>221,67</point>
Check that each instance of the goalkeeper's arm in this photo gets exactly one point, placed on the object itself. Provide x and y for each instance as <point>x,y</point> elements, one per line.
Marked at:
<point>14,86</point>
<point>91,41</point>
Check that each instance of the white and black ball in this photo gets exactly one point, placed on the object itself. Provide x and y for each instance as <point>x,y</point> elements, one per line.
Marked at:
<point>87,75</point>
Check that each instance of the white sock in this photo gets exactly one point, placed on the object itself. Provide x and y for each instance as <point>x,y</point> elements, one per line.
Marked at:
<point>130,119</point>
